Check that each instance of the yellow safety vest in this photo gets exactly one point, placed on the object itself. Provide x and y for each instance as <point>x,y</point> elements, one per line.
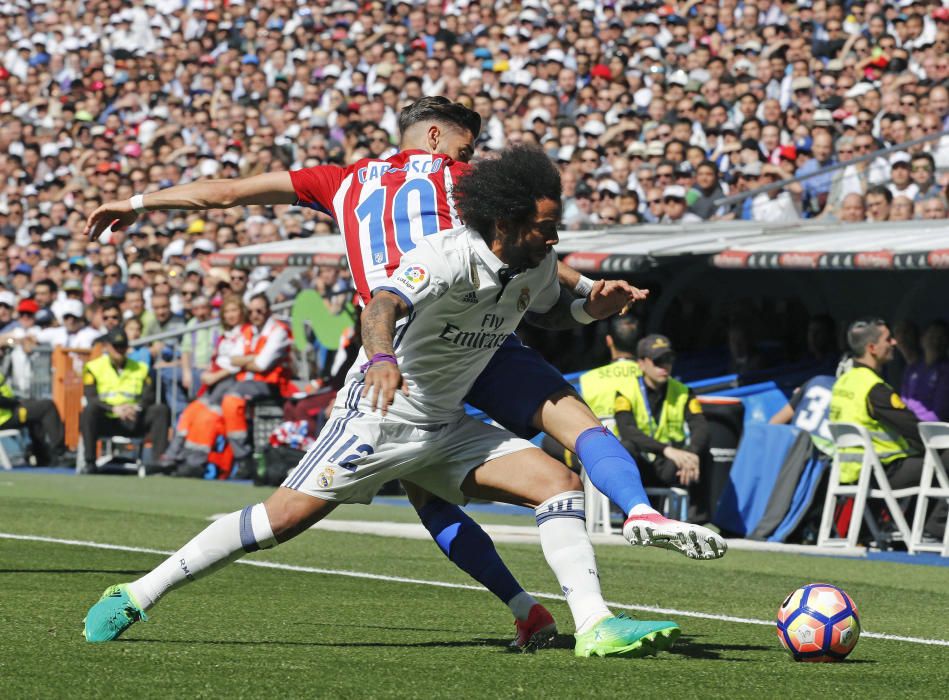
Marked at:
<point>599,386</point>
<point>7,393</point>
<point>849,403</point>
<point>670,428</point>
<point>116,388</point>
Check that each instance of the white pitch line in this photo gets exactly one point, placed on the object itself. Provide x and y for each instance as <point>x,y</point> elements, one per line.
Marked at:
<point>457,586</point>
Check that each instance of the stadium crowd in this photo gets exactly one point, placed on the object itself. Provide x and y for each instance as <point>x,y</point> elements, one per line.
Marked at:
<point>653,111</point>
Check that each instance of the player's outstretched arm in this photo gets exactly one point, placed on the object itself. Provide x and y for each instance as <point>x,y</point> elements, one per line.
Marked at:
<point>607,298</point>
<point>383,377</point>
<point>269,188</point>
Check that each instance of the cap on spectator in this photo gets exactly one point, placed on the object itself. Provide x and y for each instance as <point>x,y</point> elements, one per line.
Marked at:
<point>655,148</point>
<point>636,148</point>
<point>555,56</point>
<point>72,307</point>
<point>601,70</point>
<point>609,186</point>
<point>674,192</point>
<point>804,144</point>
<point>941,14</point>
<point>684,168</point>
<point>802,84</point>
<point>48,237</point>
<point>728,127</point>
<point>27,306</point>
<point>900,159</point>
<point>594,127</point>
<point>174,249</point>
<point>78,261</point>
<point>136,269</point>
<point>565,153</point>
<point>678,78</point>
<point>116,338</point>
<point>540,85</point>
<point>539,112</point>
<point>823,117</point>
<point>250,59</point>
<point>788,152</point>
<point>7,299</point>
<point>194,267</point>
<point>750,169</point>
<point>653,347</point>
<point>72,286</point>
<point>860,89</point>
<point>482,53</point>
<point>132,149</point>
<point>22,269</point>
<point>203,245</point>
<point>196,226</point>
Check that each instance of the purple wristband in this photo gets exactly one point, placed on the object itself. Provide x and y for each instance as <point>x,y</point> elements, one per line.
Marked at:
<point>377,358</point>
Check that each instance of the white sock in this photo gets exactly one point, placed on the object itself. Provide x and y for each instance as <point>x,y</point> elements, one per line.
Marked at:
<point>569,553</point>
<point>521,605</point>
<point>643,509</point>
<point>220,543</point>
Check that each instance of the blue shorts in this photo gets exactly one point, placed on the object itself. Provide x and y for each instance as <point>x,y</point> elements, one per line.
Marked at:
<point>514,385</point>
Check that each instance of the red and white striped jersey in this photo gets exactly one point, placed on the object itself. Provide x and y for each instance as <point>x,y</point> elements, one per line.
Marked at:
<point>383,207</point>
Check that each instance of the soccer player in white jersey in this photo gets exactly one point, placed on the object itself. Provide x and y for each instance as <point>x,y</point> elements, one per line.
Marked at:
<point>400,413</point>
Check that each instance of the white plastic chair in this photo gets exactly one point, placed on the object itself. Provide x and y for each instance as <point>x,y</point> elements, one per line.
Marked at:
<point>4,457</point>
<point>935,437</point>
<point>848,435</point>
<point>598,507</point>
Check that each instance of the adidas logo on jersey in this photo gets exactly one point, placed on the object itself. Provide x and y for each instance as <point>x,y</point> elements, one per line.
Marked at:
<point>470,298</point>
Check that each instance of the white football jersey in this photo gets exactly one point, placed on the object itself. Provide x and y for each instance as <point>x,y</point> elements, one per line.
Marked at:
<point>460,313</point>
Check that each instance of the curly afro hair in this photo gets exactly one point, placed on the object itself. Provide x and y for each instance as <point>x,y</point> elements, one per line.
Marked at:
<point>506,188</point>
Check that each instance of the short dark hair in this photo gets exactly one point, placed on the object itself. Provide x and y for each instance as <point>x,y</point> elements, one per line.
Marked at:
<point>442,110</point>
<point>881,190</point>
<point>506,188</point>
<point>263,297</point>
<point>53,287</point>
<point>625,332</point>
<point>862,332</point>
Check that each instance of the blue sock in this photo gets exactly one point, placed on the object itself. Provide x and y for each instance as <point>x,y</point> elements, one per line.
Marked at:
<point>469,547</point>
<point>611,468</point>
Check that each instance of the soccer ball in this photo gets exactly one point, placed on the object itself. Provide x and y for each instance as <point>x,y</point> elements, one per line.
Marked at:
<point>818,622</point>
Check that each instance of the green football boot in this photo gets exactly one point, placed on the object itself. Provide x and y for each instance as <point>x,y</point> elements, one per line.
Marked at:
<point>112,615</point>
<point>624,636</point>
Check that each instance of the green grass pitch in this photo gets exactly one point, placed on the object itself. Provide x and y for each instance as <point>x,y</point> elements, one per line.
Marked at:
<point>257,632</point>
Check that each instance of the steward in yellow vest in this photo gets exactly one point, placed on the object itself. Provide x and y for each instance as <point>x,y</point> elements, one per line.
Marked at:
<point>120,400</point>
<point>42,421</point>
<point>861,396</point>
<point>661,423</point>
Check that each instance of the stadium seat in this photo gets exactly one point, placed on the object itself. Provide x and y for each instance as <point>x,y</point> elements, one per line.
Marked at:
<point>935,437</point>
<point>124,453</point>
<point>675,505</point>
<point>849,435</point>
<point>10,434</point>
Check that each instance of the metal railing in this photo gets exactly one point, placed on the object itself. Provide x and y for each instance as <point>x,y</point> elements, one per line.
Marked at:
<point>869,157</point>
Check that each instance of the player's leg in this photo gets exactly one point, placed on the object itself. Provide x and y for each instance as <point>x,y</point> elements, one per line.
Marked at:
<point>470,548</point>
<point>262,526</point>
<point>546,402</point>
<point>531,478</point>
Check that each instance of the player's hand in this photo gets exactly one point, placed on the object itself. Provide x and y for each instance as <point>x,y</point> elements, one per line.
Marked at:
<point>610,297</point>
<point>118,214</point>
<point>383,379</point>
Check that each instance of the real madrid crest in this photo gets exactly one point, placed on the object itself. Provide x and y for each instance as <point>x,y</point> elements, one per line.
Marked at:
<point>325,479</point>
<point>524,300</point>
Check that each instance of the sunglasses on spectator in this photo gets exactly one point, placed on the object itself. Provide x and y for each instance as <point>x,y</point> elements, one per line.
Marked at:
<point>110,317</point>
<point>921,169</point>
<point>655,201</point>
<point>110,275</point>
<point>187,293</point>
<point>668,174</point>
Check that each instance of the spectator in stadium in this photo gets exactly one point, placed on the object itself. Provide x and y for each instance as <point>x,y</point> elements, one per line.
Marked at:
<point>74,333</point>
<point>902,184</point>
<point>861,396</point>
<point>673,203</point>
<point>922,170</point>
<point>901,209</point>
<point>702,196</point>
<point>878,200</point>
<point>7,302</point>
<point>852,208</point>
<point>197,346</point>
<point>133,330</point>
<point>651,417</point>
<point>776,205</point>
<point>933,208</point>
<point>817,188</point>
<point>925,386</point>
<point>42,422</point>
<point>120,400</point>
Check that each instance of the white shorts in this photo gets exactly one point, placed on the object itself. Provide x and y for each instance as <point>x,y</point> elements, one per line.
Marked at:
<point>356,453</point>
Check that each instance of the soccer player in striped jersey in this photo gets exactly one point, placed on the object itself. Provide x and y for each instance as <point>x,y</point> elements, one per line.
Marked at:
<point>383,208</point>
